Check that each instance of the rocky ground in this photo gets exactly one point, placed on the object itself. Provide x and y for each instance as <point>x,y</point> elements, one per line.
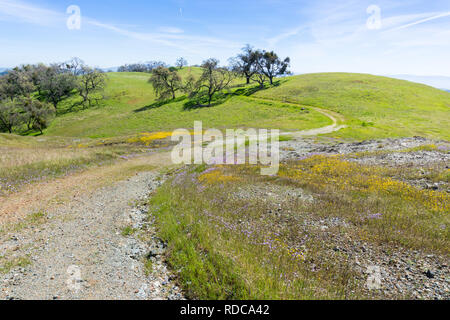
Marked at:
<point>387,272</point>
<point>400,273</point>
<point>398,153</point>
<point>297,148</point>
<point>99,246</point>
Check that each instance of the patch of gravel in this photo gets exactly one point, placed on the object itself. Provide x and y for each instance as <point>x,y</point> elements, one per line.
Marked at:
<point>80,252</point>
<point>298,148</point>
<point>416,158</point>
<point>402,273</point>
<point>272,193</point>
<point>376,145</point>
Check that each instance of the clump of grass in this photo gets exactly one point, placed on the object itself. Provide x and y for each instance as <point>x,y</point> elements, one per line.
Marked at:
<point>427,147</point>
<point>7,265</point>
<point>33,219</point>
<point>367,124</point>
<point>148,267</point>
<point>128,231</point>
<point>285,138</point>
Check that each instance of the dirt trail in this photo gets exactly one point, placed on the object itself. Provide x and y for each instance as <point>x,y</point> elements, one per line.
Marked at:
<point>324,130</point>
<point>334,116</point>
<point>81,250</point>
<point>49,194</point>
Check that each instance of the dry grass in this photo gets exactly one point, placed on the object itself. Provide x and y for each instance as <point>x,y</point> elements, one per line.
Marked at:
<point>42,196</point>
<point>14,157</point>
<point>26,160</point>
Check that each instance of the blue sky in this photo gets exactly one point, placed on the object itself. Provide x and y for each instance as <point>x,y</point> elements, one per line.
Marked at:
<point>412,37</point>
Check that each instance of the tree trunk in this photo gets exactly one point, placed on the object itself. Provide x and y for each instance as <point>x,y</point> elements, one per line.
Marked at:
<point>271,80</point>
<point>248,80</point>
<point>209,101</point>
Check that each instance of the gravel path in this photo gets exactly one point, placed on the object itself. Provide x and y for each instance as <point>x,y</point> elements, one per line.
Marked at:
<point>82,252</point>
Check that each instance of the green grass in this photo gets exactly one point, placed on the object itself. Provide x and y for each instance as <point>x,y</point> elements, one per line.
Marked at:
<point>235,112</point>
<point>128,231</point>
<point>285,138</point>
<point>376,107</point>
<point>130,108</point>
<point>148,267</point>
<point>7,265</point>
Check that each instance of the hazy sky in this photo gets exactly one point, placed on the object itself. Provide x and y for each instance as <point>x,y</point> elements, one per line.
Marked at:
<point>380,37</point>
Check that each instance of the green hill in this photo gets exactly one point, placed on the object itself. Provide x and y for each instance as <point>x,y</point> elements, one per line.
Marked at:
<point>130,108</point>
<point>376,107</point>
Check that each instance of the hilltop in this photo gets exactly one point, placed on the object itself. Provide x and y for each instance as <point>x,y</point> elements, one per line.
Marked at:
<point>376,107</point>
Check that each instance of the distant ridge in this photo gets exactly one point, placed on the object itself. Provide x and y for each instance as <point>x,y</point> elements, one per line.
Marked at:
<point>112,69</point>
<point>439,82</point>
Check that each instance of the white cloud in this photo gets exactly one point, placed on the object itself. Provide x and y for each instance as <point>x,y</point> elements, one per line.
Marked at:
<point>170,30</point>
<point>28,13</point>
<point>284,35</point>
<point>429,18</point>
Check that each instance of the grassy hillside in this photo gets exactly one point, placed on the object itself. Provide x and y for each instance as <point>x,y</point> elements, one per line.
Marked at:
<point>130,108</point>
<point>377,107</point>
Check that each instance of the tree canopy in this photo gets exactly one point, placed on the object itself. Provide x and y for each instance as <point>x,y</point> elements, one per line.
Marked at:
<point>213,80</point>
<point>165,83</point>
